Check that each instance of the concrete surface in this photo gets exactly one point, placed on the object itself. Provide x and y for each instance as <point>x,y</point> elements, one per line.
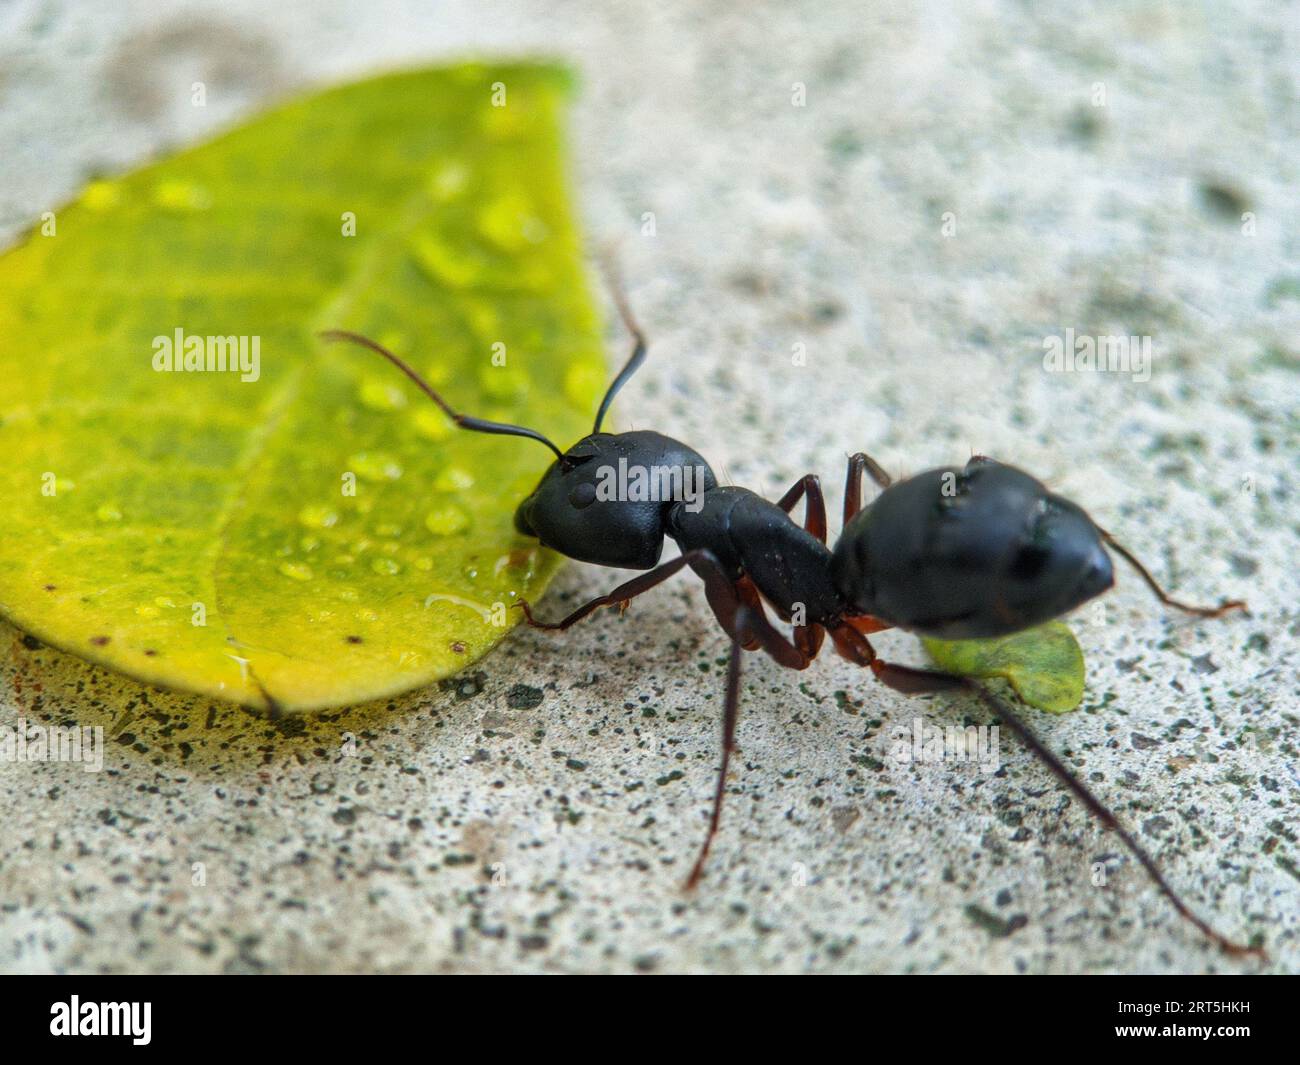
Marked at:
<point>540,812</point>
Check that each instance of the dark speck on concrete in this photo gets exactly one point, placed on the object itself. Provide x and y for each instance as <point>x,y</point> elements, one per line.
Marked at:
<point>842,817</point>
<point>523,697</point>
<point>1153,826</point>
<point>1202,664</point>
<point>1242,565</point>
<point>1223,200</point>
<point>997,927</point>
<point>1085,123</point>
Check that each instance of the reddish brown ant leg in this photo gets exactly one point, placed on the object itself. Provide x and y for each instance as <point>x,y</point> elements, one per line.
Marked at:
<point>808,487</point>
<point>783,652</point>
<point>919,681</point>
<point>748,596</point>
<point>852,645</point>
<point>730,715</point>
<point>808,638</point>
<point>620,595</point>
<point>866,624</point>
<point>858,464</point>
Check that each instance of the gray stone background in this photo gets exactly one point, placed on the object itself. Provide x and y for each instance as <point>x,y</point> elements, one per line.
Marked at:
<point>540,812</point>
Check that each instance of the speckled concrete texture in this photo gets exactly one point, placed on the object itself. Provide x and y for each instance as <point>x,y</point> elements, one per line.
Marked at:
<point>958,185</point>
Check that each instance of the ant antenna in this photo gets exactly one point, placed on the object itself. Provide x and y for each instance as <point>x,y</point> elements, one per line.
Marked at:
<point>1187,608</point>
<point>638,348</point>
<point>463,421</point>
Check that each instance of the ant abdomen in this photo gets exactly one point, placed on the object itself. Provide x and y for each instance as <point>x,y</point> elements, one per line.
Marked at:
<point>970,553</point>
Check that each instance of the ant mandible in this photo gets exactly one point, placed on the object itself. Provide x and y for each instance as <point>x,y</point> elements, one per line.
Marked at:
<point>974,552</point>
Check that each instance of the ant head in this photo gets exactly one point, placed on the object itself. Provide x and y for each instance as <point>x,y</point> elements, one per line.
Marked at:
<point>606,500</point>
<point>971,553</point>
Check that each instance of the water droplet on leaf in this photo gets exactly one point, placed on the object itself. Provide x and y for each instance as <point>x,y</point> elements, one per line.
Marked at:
<point>382,395</point>
<point>453,479</point>
<point>296,571</point>
<point>318,517</point>
<point>446,520</point>
<point>375,466</point>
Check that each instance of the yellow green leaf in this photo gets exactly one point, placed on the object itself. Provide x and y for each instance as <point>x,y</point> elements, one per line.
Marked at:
<point>307,529</point>
<point>1044,664</point>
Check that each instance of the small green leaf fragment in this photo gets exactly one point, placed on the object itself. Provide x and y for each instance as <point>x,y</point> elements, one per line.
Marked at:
<point>1044,664</point>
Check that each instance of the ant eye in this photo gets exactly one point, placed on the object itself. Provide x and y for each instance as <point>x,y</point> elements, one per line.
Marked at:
<point>571,462</point>
<point>583,496</point>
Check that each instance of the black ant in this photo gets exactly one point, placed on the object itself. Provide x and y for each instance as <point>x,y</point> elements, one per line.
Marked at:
<point>957,553</point>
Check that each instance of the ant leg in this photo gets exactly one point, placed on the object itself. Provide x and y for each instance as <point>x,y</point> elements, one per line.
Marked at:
<point>814,513</point>
<point>919,681</point>
<point>731,606</point>
<point>730,714</point>
<point>781,650</point>
<point>852,644</point>
<point>754,622</point>
<point>865,624</point>
<point>859,463</point>
<point>620,595</point>
<point>808,638</point>
<point>739,610</point>
<point>1187,608</point>
<point>724,606</point>
<point>724,596</point>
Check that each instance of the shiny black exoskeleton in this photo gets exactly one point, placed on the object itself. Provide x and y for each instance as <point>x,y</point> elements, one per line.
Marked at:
<point>971,553</point>
<point>744,533</point>
<point>566,512</point>
<point>953,553</point>
<point>979,551</point>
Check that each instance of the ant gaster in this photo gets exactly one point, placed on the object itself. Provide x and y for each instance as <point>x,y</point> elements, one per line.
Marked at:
<point>955,553</point>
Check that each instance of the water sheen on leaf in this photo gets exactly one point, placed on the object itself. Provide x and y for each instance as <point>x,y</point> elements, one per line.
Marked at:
<point>1044,664</point>
<point>195,530</point>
